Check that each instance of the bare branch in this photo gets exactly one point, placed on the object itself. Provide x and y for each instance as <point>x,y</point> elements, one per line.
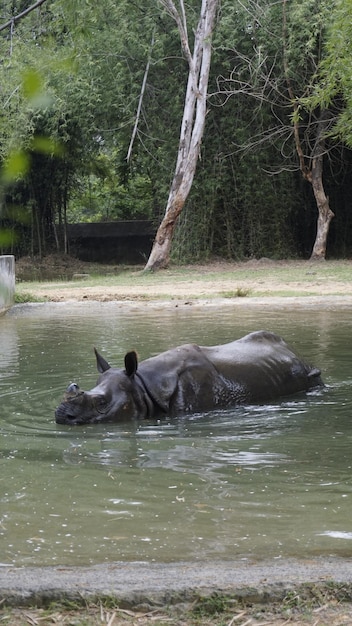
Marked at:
<point>16,18</point>
<point>144,82</point>
<point>181,25</point>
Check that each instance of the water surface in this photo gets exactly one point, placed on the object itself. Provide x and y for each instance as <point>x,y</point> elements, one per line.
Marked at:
<point>258,481</point>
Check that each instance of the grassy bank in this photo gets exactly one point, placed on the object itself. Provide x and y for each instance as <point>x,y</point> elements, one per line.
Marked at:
<point>308,605</point>
<point>219,279</point>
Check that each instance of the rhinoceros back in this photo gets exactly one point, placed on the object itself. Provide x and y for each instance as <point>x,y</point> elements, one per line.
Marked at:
<point>264,366</point>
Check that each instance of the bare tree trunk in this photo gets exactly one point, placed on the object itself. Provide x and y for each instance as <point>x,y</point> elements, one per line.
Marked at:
<point>313,172</point>
<point>37,227</point>
<point>192,126</point>
<point>325,214</point>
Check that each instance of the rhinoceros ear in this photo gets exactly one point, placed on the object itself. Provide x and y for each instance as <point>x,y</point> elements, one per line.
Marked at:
<point>131,363</point>
<point>102,365</point>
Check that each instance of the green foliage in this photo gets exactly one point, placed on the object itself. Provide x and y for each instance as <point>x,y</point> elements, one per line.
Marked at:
<point>333,85</point>
<point>71,76</point>
<point>50,115</point>
<point>100,198</point>
<point>73,119</point>
<point>214,604</point>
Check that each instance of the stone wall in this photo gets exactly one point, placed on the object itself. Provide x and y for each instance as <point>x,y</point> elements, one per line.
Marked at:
<point>7,282</point>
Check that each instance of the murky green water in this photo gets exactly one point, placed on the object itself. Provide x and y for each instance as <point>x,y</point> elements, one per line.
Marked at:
<point>268,481</point>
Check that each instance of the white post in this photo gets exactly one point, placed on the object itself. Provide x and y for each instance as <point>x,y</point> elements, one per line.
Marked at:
<point>7,282</point>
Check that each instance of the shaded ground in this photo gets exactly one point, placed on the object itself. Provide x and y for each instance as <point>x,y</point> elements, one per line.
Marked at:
<point>57,267</point>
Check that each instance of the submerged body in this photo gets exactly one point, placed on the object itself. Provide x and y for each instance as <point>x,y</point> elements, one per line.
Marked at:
<point>257,368</point>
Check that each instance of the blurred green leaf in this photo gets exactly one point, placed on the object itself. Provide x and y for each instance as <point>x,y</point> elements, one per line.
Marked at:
<point>47,145</point>
<point>15,166</point>
<point>7,237</point>
<point>32,83</point>
<point>34,89</point>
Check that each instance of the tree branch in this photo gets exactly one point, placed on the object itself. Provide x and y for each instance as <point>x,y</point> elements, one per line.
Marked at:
<point>16,18</point>
<point>181,25</point>
<point>305,169</point>
<point>135,127</point>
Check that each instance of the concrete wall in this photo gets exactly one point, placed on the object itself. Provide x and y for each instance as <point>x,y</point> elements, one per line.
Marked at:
<point>7,282</point>
<point>112,242</point>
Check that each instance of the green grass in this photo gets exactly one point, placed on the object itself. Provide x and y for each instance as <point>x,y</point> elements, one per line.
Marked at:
<point>25,297</point>
<point>240,292</point>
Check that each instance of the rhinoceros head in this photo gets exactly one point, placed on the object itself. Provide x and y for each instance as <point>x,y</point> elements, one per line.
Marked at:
<point>116,396</point>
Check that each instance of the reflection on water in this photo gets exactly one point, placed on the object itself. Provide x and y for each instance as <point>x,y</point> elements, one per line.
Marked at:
<point>263,481</point>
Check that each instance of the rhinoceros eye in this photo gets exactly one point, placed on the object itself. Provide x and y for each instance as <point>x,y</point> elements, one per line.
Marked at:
<point>100,404</point>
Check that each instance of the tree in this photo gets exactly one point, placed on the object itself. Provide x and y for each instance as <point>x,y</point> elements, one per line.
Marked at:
<point>278,70</point>
<point>331,97</point>
<point>192,126</point>
<point>311,167</point>
<point>15,18</point>
<point>332,87</point>
<point>114,71</point>
<point>49,107</point>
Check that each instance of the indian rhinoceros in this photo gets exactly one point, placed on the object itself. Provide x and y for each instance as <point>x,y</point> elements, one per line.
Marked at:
<point>257,368</point>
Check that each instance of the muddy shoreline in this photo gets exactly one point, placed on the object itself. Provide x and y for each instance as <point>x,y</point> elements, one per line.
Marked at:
<point>273,303</point>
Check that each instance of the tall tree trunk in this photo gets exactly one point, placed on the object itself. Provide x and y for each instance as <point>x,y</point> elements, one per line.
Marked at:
<point>192,126</point>
<point>325,214</point>
<point>315,177</point>
<point>312,171</point>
